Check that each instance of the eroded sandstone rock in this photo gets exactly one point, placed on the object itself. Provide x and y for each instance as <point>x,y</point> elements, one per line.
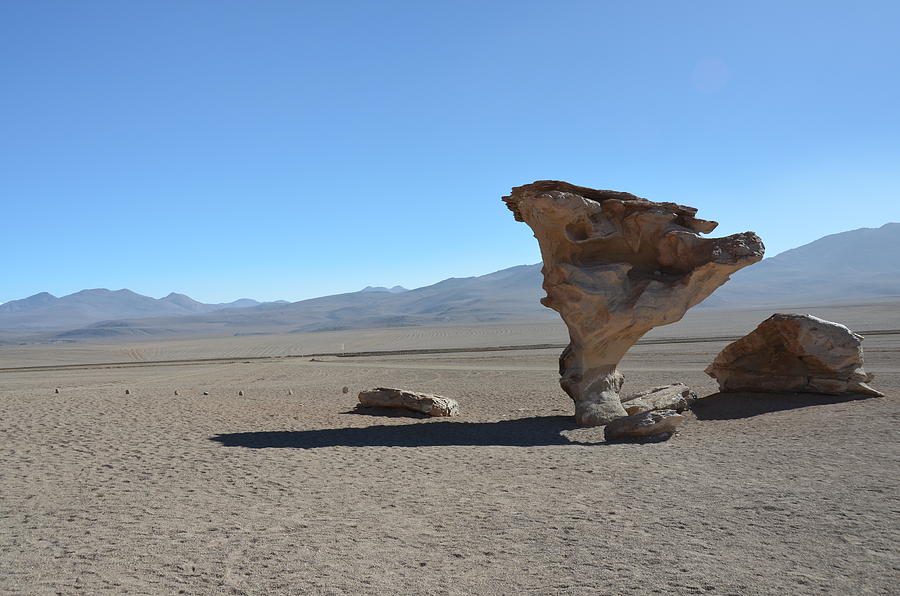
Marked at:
<point>790,353</point>
<point>426,403</point>
<point>657,425</point>
<point>678,397</point>
<point>615,266</point>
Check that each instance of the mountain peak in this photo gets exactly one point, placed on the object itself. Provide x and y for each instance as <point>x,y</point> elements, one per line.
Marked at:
<point>36,301</point>
<point>176,297</point>
<point>394,290</point>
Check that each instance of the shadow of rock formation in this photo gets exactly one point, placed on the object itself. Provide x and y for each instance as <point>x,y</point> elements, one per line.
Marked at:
<point>386,413</point>
<point>522,432</point>
<point>731,406</point>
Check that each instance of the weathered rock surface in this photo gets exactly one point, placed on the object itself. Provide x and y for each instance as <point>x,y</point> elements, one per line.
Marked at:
<point>426,403</point>
<point>678,397</point>
<point>616,266</point>
<point>657,425</point>
<point>790,353</point>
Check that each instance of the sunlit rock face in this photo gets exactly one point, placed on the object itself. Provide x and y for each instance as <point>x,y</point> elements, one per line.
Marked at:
<point>790,353</point>
<point>616,266</point>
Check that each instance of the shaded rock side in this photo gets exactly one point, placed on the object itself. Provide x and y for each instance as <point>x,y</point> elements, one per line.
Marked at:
<point>657,425</point>
<point>426,403</point>
<point>616,266</point>
<point>790,353</point>
<point>678,397</point>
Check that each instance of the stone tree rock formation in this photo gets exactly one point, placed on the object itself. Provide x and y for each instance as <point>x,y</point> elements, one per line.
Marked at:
<point>616,266</point>
<point>794,353</point>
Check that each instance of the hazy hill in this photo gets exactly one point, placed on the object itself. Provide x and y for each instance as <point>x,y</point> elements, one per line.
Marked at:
<point>508,295</point>
<point>46,311</point>
<point>851,266</point>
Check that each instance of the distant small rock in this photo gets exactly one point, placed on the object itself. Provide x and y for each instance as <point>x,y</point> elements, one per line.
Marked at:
<point>657,425</point>
<point>56,390</point>
<point>345,389</point>
<point>127,392</point>
<point>176,392</point>
<point>677,396</point>
<point>426,403</point>
<point>241,393</point>
<point>206,393</point>
<point>290,392</point>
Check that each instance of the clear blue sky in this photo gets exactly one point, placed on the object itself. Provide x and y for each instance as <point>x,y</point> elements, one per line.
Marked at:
<point>294,149</point>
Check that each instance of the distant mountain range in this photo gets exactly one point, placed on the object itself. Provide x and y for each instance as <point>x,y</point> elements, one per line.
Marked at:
<point>509,295</point>
<point>46,311</point>
<point>856,266</point>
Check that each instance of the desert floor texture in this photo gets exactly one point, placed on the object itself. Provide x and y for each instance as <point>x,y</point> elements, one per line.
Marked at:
<point>103,492</point>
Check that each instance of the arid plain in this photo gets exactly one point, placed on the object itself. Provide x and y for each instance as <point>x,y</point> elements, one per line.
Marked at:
<point>278,492</point>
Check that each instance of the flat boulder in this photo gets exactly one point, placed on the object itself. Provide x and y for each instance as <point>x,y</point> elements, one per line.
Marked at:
<point>657,425</point>
<point>425,403</point>
<point>790,353</point>
<point>678,397</point>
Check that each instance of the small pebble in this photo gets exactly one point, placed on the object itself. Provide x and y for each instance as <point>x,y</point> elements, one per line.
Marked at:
<point>206,393</point>
<point>241,393</point>
<point>128,392</point>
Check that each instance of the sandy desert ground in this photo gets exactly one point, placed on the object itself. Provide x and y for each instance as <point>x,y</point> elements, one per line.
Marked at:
<point>268,492</point>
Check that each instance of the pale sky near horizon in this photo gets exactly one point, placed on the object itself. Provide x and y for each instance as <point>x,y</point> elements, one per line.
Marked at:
<point>286,150</point>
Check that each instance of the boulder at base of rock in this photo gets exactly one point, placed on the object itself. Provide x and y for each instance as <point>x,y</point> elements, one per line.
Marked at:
<point>678,397</point>
<point>790,353</point>
<point>657,425</point>
<point>426,403</point>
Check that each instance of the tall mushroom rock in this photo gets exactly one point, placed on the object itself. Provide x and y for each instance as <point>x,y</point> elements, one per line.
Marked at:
<point>616,266</point>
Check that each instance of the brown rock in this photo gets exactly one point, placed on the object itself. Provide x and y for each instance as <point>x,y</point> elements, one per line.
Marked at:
<point>657,425</point>
<point>678,397</point>
<point>426,403</point>
<point>615,266</point>
<point>790,353</point>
